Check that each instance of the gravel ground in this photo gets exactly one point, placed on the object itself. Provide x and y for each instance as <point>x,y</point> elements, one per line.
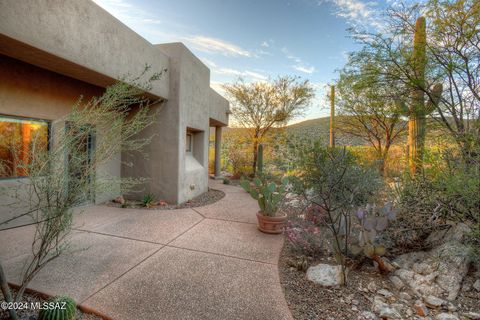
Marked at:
<point>307,300</point>
<point>209,197</point>
<point>33,314</point>
<point>310,301</point>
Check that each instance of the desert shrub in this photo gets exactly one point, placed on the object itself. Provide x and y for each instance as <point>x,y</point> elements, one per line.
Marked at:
<point>304,232</point>
<point>333,180</point>
<point>446,191</point>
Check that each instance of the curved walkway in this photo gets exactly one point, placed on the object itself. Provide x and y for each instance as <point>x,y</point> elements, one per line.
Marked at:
<point>208,262</point>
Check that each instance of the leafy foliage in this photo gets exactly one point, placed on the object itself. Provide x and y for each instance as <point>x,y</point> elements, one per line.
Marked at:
<point>268,194</point>
<point>332,180</point>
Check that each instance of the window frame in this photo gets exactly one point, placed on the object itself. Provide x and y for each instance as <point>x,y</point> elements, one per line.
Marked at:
<point>49,137</point>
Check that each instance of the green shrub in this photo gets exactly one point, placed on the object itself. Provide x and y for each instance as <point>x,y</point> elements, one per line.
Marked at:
<point>148,200</point>
<point>333,180</point>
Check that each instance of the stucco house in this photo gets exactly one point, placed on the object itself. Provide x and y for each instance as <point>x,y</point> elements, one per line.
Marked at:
<point>53,51</point>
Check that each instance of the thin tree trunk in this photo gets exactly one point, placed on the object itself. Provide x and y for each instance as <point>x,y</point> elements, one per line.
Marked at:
<point>6,293</point>
<point>255,156</point>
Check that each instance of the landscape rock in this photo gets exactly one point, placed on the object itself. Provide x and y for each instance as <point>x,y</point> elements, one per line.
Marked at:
<point>367,315</point>
<point>372,287</point>
<point>325,275</point>
<point>420,309</point>
<point>389,313</point>
<point>438,272</point>
<point>119,199</point>
<point>433,302</point>
<point>422,268</point>
<point>397,282</point>
<point>472,315</point>
<point>454,233</point>
<point>446,316</point>
<point>384,292</point>
<point>476,285</point>
<point>405,296</point>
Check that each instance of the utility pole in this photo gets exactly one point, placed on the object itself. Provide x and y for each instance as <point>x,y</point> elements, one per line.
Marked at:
<point>332,116</point>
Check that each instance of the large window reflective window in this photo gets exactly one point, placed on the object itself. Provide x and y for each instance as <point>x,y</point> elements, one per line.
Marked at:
<point>19,138</point>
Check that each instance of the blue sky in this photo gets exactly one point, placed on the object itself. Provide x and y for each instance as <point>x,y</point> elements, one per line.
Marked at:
<point>255,39</point>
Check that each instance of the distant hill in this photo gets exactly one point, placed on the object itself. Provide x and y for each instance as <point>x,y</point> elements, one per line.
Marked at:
<point>315,129</point>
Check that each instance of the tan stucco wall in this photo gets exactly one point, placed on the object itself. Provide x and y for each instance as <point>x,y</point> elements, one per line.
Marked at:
<point>86,39</point>
<point>29,91</point>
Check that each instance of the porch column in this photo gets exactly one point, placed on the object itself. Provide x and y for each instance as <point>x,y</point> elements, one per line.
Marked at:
<point>218,145</point>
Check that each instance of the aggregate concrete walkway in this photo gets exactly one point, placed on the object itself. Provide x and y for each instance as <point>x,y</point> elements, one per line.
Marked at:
<point>209,262</point>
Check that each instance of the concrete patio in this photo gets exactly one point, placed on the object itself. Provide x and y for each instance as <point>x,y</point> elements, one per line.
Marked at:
<point>209,262</point>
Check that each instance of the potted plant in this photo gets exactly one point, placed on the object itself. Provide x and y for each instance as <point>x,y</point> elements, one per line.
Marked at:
<point>269,196</point>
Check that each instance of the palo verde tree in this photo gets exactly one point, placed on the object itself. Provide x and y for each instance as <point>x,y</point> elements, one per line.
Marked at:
<point>369,108</point>
<point>63,176</point>
<point>260,106</point>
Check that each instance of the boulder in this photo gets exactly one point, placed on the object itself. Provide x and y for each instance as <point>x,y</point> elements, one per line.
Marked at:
<point>439,272</point>
<point>325,275</point>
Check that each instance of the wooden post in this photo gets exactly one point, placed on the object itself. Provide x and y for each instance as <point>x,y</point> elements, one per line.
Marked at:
<point>332,116</point>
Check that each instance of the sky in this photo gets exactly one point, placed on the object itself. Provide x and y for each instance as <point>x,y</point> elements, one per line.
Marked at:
<point>256,39</point>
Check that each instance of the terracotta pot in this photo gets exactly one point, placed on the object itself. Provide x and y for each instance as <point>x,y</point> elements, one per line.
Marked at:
<point>269,224</point>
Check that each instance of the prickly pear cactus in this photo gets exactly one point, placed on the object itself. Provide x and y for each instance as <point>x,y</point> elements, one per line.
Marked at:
<point>269,195</point>
<point>59,308</point>
<point>372,220</point>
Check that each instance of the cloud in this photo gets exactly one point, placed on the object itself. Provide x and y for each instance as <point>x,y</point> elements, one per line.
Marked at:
<point>265,44</point>
<point>237,73</point>
<point>209,62</point>
<point>213,45</point>
<point>357,13</point>
<point>304,69</point>
<point>299,65</point>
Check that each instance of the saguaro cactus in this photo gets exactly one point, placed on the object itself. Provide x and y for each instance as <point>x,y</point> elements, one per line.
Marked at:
<point>332,116</point>
<point>417,112</point>
<point>260,159</point>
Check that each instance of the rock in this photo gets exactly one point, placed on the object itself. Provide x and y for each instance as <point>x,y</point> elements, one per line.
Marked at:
<point>384,292</point>
<point>454,262</point>
<point>451,307</point>
<point>367,315</point>
<point>422,268</point>
<point>409,312</point>
<point>372,287</point>
<point>446,316</point>
<point>355,302</point>
<point>354,308</point>
<point>119,199</point>
<point>420,309</point>
<point>325,275</point>
<point>397,282</point>
<point>389,313</point>
<point>405,296</point>
<point>476,285</point>
<point>455,233</point>
<point>378,303</point>
<point>438,272</point>
<point>472,315</point>
<point>433,302</point>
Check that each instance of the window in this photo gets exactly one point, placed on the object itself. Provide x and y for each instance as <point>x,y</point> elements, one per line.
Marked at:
<point>189,142</point>
<point>18,137</point>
